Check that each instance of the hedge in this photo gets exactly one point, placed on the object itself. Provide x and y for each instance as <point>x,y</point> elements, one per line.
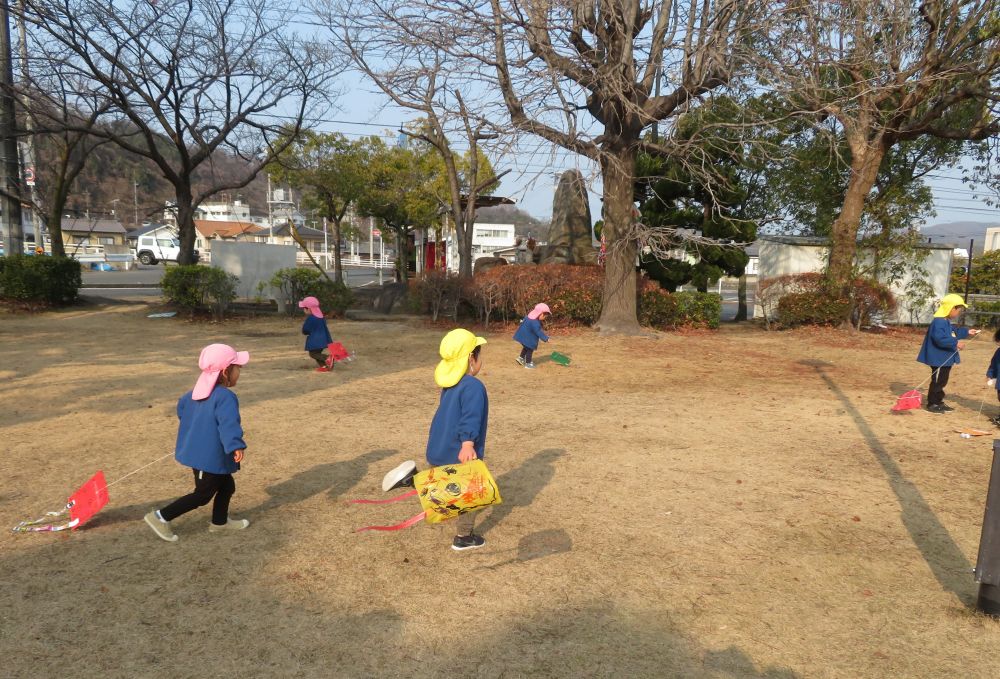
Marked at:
<point>199,288</point>
<point>803,299</point>
<point>295,283</point>
<point>40,281</point>
<point>574,293</point>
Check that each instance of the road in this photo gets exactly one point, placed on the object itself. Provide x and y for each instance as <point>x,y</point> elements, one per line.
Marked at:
<point>144,281</point>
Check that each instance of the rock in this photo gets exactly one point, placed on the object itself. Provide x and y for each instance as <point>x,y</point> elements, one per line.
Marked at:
<point>484,264</point>
<point>388,297</point>
<point>570,238</point>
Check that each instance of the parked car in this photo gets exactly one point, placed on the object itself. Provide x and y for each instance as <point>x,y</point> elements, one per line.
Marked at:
<point>155,249</point>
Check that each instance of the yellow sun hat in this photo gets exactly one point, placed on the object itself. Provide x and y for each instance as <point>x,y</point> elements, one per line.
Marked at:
<point>949,302</point>
<point>455,349</point>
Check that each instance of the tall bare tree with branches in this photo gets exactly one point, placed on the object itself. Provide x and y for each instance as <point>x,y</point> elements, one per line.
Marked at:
<point>402,50</point>
<point>883,72</point>
<point>189,79</point>
<point>586,75</point>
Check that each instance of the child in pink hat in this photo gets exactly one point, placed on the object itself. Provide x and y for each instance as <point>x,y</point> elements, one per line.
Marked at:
<point>317,334</point>
<point>209,441</point>
<point>530,331</point>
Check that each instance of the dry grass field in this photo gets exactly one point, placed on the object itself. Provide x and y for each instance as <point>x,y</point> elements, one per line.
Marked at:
<point>727,504</point>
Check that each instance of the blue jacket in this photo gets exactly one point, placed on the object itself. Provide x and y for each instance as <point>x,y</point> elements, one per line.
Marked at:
<point>461,416</point>
<point>940,347</point>
<point>529,332</point>
<point>210,431</point>
<point>994,370</point>
<point>319,334</point>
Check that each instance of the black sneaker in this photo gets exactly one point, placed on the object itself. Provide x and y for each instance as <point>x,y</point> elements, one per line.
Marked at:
<point>937,409</point>
<point>463,542</point>
<point>947,408</point>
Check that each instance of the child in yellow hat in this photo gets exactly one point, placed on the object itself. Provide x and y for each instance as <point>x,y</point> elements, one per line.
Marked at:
<point>458,430</point>
<point>940,349</point>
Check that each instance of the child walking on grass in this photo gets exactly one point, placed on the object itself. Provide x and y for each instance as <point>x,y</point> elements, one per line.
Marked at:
<point>209,441</point>
<point>940,349</point>
<point>993,372</point>
<point>317,334</point>
<point>529,332</point>
<point>458,430</point>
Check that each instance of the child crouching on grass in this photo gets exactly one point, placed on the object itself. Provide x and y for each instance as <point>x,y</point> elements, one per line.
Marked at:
<point>529,332</point>
<point>458,430</point>
<point>210,441</point>
<point>317,334</point>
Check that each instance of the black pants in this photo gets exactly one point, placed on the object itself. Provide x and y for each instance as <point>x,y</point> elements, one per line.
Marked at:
<point>939,380</point>
<point>318,356</point>
<point>526,353</point>
<point>206,486</point>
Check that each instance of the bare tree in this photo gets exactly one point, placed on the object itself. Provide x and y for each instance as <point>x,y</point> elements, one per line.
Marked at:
<point>62,114</point>
<point>404,52</point>
<point>189,79</point>
<point>586,75</point>
<point>885,72</point>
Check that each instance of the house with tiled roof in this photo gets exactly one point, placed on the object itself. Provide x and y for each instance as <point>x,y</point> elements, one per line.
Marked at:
<point>92,232</point>
<point>208,230</point>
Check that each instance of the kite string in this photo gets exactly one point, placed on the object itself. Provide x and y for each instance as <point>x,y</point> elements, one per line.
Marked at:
<point>139,470</point>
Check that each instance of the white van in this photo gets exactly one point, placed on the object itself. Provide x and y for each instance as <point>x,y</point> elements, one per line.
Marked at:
<point>161,248</point>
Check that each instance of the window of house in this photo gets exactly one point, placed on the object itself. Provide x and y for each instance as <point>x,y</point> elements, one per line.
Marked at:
<point>106,240</point>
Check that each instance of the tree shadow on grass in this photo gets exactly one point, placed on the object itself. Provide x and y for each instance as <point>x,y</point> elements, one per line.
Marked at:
<point>332,478</point>
<point>943,556</point>
<point>521,485</point>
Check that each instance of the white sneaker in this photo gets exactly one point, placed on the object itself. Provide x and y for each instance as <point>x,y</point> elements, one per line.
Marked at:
<point>231,524</point>
<point>400,476</point>
<point>160,527</point>
<point>520,360</point>
<point>530,366</point>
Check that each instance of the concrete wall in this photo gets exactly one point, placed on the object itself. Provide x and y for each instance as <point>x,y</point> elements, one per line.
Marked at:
<point>778,259</point>
<point>253,263</point>
<point>992,239</point>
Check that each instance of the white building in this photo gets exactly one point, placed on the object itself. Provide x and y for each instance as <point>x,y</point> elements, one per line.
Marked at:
<point>780,255</point>
<point>223,211</point>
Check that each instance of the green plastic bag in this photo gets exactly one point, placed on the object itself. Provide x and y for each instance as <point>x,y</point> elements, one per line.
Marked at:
<point>561,359</point>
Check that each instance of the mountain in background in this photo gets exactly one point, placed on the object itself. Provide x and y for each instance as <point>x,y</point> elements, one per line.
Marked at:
<point>959,233</point>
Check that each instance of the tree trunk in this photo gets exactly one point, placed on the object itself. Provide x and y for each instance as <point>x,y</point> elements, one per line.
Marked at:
<point>844,237</point>
<point>618,307</point>
<point>463,233</point>
<point>60,191</point>
<point>401,257</point>
<point>338,265</point>
<point>741,294</point>
<point>185,225</point>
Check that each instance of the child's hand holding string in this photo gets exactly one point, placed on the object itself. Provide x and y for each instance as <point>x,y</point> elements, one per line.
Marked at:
<point>238,455</point>
<point>467,453</point>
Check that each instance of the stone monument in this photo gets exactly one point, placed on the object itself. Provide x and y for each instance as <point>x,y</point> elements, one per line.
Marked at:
<point>570,239</point>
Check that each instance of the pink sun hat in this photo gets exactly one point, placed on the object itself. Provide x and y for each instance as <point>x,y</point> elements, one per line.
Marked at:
<point>538,311</point>
<point>213,360</point>
<point>312,304</point>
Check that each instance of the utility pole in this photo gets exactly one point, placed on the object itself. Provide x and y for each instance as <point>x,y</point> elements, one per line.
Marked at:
<point>270,217</point>
<point>10,179</point>
<point>29,128</point>
<point>135,200</point>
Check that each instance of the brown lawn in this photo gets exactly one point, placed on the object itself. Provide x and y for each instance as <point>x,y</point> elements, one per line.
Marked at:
<point>729,504</point>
